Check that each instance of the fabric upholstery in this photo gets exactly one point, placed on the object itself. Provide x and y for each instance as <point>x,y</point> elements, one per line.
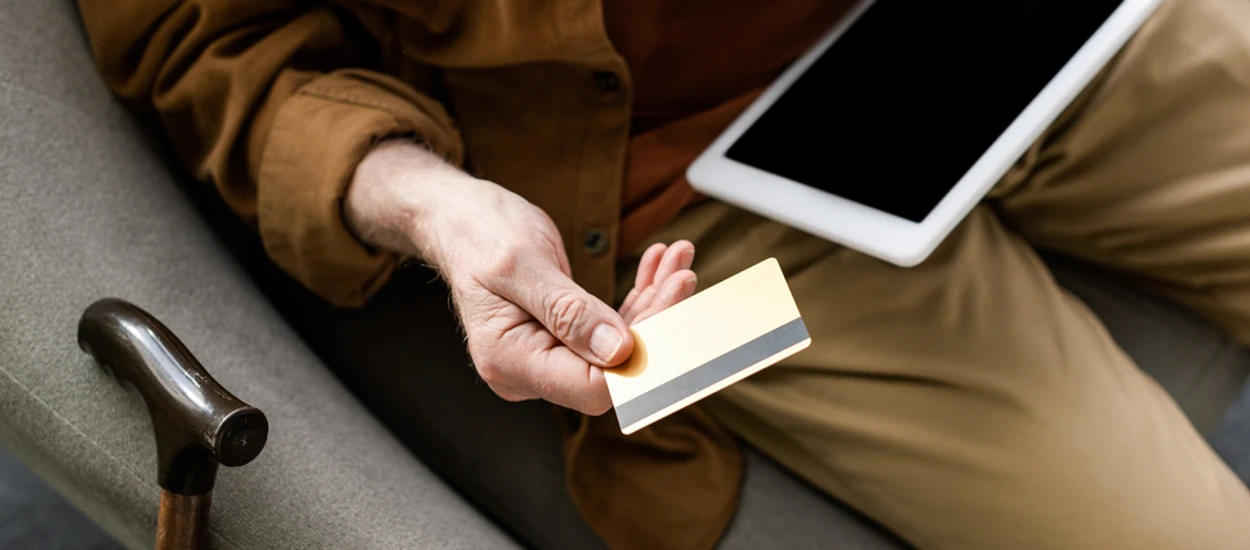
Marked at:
<point>32,515</point>
<point>87,211</point>
<point>1232,439</point>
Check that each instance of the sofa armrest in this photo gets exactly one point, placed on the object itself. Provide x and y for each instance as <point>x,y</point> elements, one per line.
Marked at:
<point>87,210</point>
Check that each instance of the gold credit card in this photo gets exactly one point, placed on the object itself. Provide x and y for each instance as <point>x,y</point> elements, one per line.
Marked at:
<point>706,343</point>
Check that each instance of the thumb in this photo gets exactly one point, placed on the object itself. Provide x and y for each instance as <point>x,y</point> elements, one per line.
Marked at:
<point>582,322</point>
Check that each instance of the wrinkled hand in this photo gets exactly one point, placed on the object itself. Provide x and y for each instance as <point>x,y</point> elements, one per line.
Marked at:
<point>532,332</point>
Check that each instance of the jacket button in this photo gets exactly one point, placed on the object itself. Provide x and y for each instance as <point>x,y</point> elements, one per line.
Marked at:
<point>595,242</point>
<point>607,81</point>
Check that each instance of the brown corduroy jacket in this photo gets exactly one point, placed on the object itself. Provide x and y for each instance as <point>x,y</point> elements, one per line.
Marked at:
<point>275,102</point>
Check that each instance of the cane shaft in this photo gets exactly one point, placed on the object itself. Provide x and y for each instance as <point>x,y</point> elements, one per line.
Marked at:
<point>182,523</point>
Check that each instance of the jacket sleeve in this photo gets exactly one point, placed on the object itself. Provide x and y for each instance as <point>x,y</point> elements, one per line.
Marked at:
<point>267,100</point>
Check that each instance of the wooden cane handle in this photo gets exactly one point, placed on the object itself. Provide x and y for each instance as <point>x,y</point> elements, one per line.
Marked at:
<point>197,423</point>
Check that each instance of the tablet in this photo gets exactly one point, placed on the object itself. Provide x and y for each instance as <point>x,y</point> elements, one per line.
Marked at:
<point>889,131</point>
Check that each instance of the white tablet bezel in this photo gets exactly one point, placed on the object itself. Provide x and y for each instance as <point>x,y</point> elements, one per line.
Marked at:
<point>874,232</point>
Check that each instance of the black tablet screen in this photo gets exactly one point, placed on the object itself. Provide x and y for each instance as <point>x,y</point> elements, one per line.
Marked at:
<point>899,108</point>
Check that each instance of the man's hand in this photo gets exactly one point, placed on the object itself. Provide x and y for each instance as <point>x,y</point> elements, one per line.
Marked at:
<point>532,332</point>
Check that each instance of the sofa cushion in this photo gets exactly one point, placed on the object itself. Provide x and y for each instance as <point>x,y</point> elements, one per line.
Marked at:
<point>1232,439</point>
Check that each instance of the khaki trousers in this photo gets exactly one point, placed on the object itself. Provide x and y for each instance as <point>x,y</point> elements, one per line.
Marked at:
<point>972,403</point>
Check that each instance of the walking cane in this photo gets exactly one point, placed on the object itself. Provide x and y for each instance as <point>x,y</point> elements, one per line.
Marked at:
<point>197,423</point>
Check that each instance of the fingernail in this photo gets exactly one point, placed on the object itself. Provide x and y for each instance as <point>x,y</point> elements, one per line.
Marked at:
<point>605,341</point>
<point>687,258</point>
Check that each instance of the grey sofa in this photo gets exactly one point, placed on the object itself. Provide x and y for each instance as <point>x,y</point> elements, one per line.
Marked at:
<point>90,207</point>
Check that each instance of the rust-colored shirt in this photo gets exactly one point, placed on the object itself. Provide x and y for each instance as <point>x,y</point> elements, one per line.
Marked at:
<point>274,102</point>
<point>696,65</point>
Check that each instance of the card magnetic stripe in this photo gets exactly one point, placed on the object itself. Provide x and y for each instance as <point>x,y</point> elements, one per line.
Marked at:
<point>736,360</point>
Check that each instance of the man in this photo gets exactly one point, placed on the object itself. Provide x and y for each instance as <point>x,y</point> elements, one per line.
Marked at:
<point>528,147</point>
